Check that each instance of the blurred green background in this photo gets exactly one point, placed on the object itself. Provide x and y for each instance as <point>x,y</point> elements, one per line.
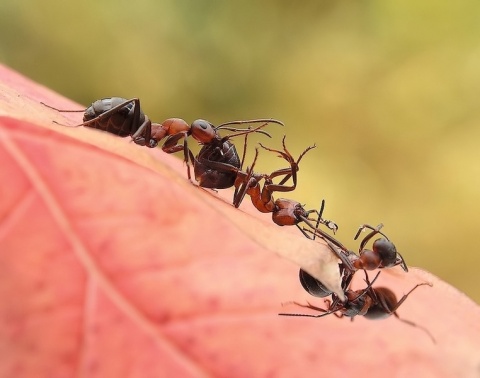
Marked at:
<point>388,90</point>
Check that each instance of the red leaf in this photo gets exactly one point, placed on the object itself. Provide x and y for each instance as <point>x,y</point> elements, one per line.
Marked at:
<point>113,265</point>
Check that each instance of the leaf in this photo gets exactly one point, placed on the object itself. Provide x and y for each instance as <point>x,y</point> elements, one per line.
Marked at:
<point>112,264</point>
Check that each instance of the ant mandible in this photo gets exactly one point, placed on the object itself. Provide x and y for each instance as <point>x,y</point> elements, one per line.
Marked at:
<point>371,303</point>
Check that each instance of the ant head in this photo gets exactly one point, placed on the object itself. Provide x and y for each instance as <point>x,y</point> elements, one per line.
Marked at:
<point>387,252</point>
<point>202,131</point>
<point>385,249</point>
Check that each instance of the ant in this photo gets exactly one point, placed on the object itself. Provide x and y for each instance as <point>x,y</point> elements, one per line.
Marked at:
<point>217,165</point>
<point>312,285</point>
<point>371,303</point>
<point>383,255</point>
<point>209,165</point>
<point>124,117</point>
<point>285,212</point>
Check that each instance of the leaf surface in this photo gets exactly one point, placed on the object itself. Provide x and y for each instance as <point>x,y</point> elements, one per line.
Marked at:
<point>113,265</point>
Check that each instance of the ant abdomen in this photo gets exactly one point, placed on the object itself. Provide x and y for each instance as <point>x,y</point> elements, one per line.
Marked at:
<point>119,122</point>
<point>312,285</point>
<point>385,306</point>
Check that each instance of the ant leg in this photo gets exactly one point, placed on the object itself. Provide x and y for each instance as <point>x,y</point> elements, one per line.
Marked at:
<point>410,323</point>
<point>284,180</point>
<point>235,193</point>
<point>240,192</point>
<point>186,155</point>
<point>334,246</point>
<point>192,159</point>
<point>328,223</point>
<point>308,305</point>
<point>304,232</point>
<point>406,295</point>
<point>375,230</point>
<point>287,172</point>
<point>320,213</point>
<point>322,234</point>
<point>400,261</point>
<point>283,154</point>
<point>171,146</point>
<point>367,280</point>
<point>144,129</point>
<point>136,120</point>
<point>218,166</point>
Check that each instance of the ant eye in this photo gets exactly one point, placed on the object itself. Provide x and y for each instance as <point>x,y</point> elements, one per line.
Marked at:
<point>202,131</point>
<point>201,123</point>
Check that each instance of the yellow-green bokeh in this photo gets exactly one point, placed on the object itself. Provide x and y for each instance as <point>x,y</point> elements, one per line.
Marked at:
<point>388,90</point>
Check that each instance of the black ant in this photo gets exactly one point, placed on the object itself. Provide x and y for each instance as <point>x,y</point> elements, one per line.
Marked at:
<point>372,303</point>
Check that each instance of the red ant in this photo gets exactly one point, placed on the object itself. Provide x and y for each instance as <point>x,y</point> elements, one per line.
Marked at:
<point>285,212</point>
<point>372,303</point>
<point>217,165</point>
<point>383,254</point>
<point>312,285</point>
<point>124,117</point>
